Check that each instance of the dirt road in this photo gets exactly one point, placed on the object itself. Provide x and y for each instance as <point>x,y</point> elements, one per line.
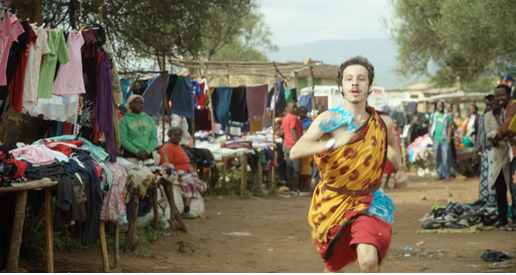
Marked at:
<point>279,239</point>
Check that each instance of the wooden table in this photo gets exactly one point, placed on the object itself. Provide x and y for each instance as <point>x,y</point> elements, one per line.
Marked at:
<point>19,217</point>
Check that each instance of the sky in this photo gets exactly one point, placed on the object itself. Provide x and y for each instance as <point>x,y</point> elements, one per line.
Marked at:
<point>296,22</point>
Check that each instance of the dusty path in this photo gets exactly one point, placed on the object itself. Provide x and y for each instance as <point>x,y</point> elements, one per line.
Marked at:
<point>279,239</point>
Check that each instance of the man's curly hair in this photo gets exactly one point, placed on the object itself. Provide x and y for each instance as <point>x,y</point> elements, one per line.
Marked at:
<point>357,60</point>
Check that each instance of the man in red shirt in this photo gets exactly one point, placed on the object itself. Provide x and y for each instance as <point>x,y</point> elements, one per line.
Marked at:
<point>292,127</point>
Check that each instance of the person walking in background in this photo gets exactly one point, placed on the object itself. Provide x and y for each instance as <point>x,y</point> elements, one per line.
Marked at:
<point>439,128</point>
<point>304,180</point>
<point>484,153</point>
<point>452,155</point>
<point>503,96</point>
<point>414,131</point>
<point>292,129</point>
<point>389,168</point>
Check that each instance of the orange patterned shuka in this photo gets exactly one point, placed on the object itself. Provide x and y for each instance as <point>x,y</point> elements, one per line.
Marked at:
<point>357,165</point>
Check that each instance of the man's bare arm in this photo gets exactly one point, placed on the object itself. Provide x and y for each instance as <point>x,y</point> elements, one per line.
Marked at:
<point>309,144</point>
<point>294,134</point>
<point>394,154</point>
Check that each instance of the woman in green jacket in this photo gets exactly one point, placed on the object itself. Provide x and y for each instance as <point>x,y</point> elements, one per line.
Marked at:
<point>138,131</point>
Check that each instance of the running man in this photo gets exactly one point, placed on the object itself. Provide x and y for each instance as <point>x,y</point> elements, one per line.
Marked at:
<point>350,217</point>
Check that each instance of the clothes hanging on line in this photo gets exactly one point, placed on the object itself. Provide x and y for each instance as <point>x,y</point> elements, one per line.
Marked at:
<point>183,103</point>
<point>221,103</point>
<point>238,107</point>
<point>256,99</point>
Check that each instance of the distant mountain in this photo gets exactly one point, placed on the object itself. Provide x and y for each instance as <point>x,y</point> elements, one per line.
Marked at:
<point>381,52</point>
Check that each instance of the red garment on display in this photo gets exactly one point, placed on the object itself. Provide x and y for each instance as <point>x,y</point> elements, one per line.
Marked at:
<point>16,93</point>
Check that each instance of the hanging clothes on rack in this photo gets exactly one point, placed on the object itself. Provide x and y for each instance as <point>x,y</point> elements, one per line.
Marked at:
<point>153,96</point>
<point>256,99</point>
<point>183,103</point>
<point>11,29</point>
<point>58,52</point>
<point>16,88</point>
<point>69,80</point>
<point>238,107</point>
<point>104,104</point>
<point>221,103</point>
<point>32,72</point>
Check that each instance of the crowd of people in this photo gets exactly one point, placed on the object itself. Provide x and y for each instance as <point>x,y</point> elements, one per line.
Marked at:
<point>492,137</point>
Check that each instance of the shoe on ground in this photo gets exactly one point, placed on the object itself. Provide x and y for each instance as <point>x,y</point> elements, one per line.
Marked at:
<point>509,227</point>
<point>500,223</point>
<point>187,216</point>
<point>431,225</point>
<point>454,225</point>
<point>427,217</point>
<point>448,217</point>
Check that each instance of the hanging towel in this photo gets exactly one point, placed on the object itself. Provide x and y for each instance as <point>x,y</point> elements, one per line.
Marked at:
<point>183,103</point>
<point>202,119</point>
<point>256,97</point>
<point>256,124</point>
<point>306,100</point>
<point>153,96</point>
<point>221,103</point>
<point>238,107</point>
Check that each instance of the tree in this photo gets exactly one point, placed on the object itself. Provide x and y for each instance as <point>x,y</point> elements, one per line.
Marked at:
<point>251,43</point>
<point>446,39</point>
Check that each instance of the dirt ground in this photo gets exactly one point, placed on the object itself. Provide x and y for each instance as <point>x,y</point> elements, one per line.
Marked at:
<point>279,239</point>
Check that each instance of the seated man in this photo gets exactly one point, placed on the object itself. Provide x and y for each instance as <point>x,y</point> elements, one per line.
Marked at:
<point>191,184</point>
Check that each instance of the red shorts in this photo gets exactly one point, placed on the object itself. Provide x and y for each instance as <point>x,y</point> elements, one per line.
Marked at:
<point>365,229</point>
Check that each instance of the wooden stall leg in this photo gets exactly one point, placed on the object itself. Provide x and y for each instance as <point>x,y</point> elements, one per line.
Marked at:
<point>260,175</point>
<point>243,185</point>
<point>16,237</point>
<point>224,173</point>
<point>213,180</point>
<point>103,246</point>
<point>180,220</point>
<point>49,230</point>
<point>269,178</point>
<point>117,245</point>
<point>131,231</point>
<point>155,209</point>
<point>172,204</point>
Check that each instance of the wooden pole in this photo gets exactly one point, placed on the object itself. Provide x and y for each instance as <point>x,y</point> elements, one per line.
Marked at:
<point>117,245</point>
<point>100,15</point>
<point>49,230</point>
<point>210,106</point>
<point>155,208</point>
<point>224,161</point>
<point>274,108</point>
<point>16,237</point>
<point>170,193</point>
<point>103,246</point>
<point>243,185</point>
<point>227,84</point>
<point>260,175</point>
<point>131,231</point>
<point>313,86</point>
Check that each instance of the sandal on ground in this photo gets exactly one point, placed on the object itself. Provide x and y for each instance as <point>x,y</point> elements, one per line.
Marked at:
<point>509,227</point>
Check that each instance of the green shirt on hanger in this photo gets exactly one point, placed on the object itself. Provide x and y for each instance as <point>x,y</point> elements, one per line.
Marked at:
<point>58,52</point>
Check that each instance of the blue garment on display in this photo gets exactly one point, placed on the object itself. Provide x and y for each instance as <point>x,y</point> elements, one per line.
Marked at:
<point>183,103</point>
<point>196,91</point>
<point>344,118</point>
<point>306,122</point>
<point>153,96</point>
<point>221,102</point>
<point>306,100</point>
<point>124,83</point>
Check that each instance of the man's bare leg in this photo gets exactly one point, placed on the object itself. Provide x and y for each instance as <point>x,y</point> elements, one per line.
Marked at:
<point>367,256</point>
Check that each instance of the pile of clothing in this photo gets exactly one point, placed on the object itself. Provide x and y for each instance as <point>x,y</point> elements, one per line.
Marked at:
<point>89,187</point>
<point>455,217</point>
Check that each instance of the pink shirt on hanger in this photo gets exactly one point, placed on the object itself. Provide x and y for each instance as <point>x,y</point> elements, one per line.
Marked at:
<point>10,29</point>
<point>70,80</point>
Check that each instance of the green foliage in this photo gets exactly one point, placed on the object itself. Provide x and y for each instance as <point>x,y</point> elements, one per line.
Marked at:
<point>446,39</point>
<point>64,242</point>
<point>232,189</point>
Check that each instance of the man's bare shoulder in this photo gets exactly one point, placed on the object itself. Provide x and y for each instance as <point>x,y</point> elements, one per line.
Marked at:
<point>387,119</point>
